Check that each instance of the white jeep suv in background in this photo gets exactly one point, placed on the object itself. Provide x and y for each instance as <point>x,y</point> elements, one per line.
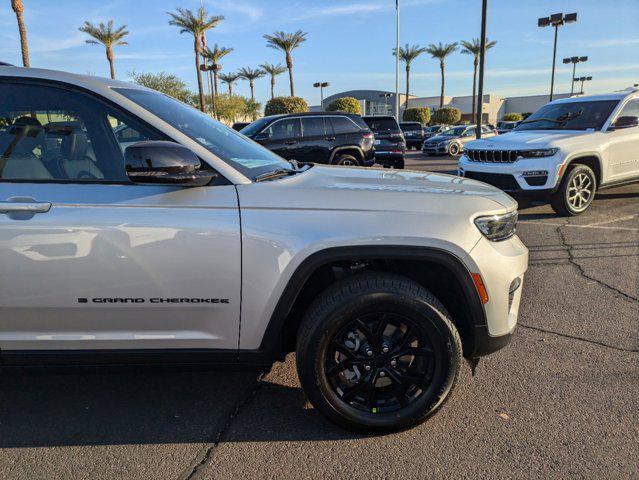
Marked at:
<point>564,152</point>
<point>136,229</point>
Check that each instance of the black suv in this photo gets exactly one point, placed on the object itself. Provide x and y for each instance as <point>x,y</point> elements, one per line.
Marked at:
<point>413,133</point>
<point>317,137</point>
<point>390,145</point>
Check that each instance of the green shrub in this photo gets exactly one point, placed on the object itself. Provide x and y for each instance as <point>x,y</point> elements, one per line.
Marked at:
<point>513,117</point>
<point>345,104</point>
<point>446,116</point>
<point>525,115</point>
<point>229,108</point>
<point>417,114</point>
<point>279,105</point>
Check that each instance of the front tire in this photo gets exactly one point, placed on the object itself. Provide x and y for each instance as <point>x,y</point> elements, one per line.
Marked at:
<point>576,191</point>
<point>454,149</point>
<point>377,353</point>
<point>346,160</point>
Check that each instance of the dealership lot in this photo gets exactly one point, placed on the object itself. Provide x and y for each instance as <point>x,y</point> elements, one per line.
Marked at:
<point>560,402</point>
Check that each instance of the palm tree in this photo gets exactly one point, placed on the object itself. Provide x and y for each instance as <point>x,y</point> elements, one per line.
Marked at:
<point>215,56</point>
<point>273,70</point>
<point>18,8</point>
<point>287,42</point>
<point>474,48</point>
<point>440,52</point>
<point>251,75</point>
<point>407,54</point>
<point>195,24</point>
<point>105,35</point>
<point>229,79</point>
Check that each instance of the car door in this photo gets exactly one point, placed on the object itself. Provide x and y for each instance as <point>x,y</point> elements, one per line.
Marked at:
<point>91,261</point>
<point>316,143</point>
<point>624,145</point>
<point>284,137</point>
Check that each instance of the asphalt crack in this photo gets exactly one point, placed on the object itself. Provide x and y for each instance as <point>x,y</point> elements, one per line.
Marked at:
<point>582,272</point>
<point>581,339</point>
<point>202,460</point>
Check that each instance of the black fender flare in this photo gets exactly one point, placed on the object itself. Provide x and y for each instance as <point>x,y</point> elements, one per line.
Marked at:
<point>340,149</point>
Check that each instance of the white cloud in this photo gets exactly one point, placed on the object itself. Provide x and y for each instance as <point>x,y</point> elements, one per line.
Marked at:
<point>46,45</point>
<point>249,11</point>
<point>613,42</point>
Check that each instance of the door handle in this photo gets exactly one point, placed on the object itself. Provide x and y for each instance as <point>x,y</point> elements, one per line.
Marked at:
<point>25,207</point>
<point>330,139</point>
<point>290,142</point>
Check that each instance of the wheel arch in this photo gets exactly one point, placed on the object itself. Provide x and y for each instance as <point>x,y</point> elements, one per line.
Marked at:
<point>590,159</point>
<point>441,272</point>
<point>354,149</point>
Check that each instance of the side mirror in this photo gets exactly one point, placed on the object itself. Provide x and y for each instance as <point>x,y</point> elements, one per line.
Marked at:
<point>625,122</point>
<point>164,163</point>
<point>262,137</point>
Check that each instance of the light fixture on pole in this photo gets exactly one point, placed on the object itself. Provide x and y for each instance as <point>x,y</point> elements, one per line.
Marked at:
<point>582,80</point>
<point>321,86</point>
<point>574,61</point>
<point>555,20</point>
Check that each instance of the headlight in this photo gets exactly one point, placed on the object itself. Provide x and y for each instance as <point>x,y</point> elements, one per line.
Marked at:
<point>497,227</point>
<point>538,153</point>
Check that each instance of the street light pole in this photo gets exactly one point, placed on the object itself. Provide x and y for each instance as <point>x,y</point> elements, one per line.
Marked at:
<point>482,55</point>
<point>582,80</point>
<point>321,86</point>
<point>397,65</point>
<point>555,20</point>
<point>574,61</point>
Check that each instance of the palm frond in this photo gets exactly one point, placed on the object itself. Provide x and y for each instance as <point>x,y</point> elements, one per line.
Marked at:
<point>273,69</point>
<point>194,23</point>
<point>104,33</point>
<point>285,41</point>
<point>250,74</point>
<point>408,53</point>
<point>441,50</point>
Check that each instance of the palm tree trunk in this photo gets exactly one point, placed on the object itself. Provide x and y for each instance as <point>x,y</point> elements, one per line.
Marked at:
<point>215,81</point>
<point>441,98</point>
<point>230,89</point>
<point>407,86</point>
<point>289,65</point>
<point>196,47</point>
<point>109,55</point>
<point>272,86</point>
<point>474,88</point>
<point>213,94</point>
<point>18,8</point>
<point>252,85</point>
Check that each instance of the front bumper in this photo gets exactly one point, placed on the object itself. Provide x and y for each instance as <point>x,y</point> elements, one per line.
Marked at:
<point>502,266</point>
<point>436,149</point>
<point>533,178</point>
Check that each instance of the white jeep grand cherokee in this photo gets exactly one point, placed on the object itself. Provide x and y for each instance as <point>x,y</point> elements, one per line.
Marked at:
<point>136,229</point>
<point>564,152</point>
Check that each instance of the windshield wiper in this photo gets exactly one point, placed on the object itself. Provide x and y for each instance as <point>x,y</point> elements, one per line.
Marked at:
<point>280,172</point>
<point>559,120</point>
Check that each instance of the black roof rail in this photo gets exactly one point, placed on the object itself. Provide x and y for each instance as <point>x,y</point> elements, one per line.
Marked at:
<point>5,64</point>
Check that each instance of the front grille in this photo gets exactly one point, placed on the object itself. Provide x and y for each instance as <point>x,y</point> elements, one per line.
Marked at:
<point>500,180</point>
<point>492,156</point>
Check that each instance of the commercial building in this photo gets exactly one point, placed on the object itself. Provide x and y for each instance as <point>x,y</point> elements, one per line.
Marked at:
<point>379,102</point>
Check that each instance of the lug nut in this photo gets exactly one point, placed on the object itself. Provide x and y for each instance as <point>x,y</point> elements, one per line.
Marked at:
<point>367,368</point>
<point>382,374</point>
<point>393,363</point>
<point>384,349</point>
<point>369,352</point>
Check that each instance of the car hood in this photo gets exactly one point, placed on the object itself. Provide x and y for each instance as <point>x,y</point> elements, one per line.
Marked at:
<point>528,139</point>
<point>383,190</point>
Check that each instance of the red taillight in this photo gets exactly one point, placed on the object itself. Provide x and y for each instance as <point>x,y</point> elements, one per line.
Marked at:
<point>369,136</point>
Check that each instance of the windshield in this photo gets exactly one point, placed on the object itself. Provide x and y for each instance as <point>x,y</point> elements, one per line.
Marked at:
<point>587,115</point>
<point>255,127</point>
<point>381,124</point>
<point>455,131</point>
<point>243,154</point>
<point>411,127</point>
<point>433,129</point>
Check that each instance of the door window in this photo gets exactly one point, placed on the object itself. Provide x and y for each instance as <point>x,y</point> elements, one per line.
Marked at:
<point>631,109</point>
<point>287,128</point>
<point>49,133</point>
<point>343,125</point>
<point>313,127</point>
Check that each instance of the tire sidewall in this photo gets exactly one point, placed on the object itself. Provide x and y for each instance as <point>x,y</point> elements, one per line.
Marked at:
<point>561,197</point>
<point>311,361</point>
<point>339,159</point>
<point>452,147</point>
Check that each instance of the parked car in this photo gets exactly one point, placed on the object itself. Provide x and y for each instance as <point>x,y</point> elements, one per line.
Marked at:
<point>390,145</point>
<point>506,126</point>
<point>433,130</point>
<point>382,284</point>
<point>318,137</point>
<point>413,134</point>
<point>563,153</point>
<point>239,125</point>
<point>452,141</point>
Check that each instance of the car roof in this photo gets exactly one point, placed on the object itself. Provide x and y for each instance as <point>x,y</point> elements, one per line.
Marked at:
<point>379,116</point>
<point>603,96</point>
<point>311,114</point>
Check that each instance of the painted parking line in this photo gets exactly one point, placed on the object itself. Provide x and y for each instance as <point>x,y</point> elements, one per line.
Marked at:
<point>593,226</point>
<point>614,220</point>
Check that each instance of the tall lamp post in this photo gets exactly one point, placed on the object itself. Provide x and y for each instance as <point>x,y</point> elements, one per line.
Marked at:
<point>582,80</point>
<point>208,68</point>
<point>482,55</point>
<point>574,61</point>
<point>397,63</point>
<point>321,86</point>
<point>555,20</point>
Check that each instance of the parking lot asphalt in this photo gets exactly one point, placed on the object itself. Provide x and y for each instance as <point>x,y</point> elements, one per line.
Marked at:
<point>560,402</point>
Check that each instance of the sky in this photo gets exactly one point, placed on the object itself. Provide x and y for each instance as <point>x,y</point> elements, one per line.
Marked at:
<point>349,42</point>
